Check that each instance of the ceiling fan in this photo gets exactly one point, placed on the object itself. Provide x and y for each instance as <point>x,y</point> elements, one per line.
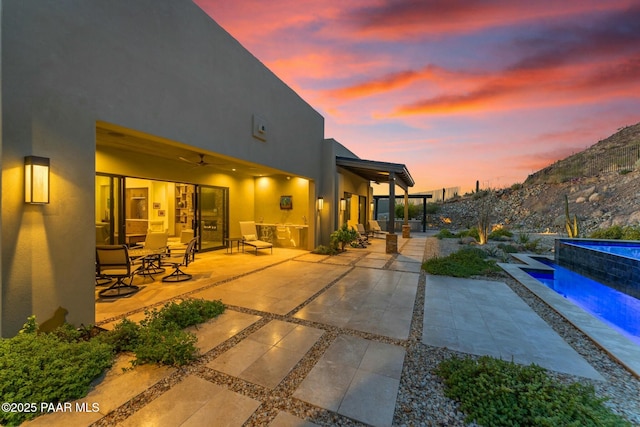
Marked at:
<point>202,162</point>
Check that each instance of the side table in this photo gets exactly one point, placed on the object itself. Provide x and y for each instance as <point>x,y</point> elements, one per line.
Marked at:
<point>229,243</point>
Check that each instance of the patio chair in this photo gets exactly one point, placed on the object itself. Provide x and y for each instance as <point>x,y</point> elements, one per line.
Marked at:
<point>156,242</point>
<point>250,237</point>
<point>181,259</point>
<point>363,238</point>
<point>375,228</point>
<point>113,261</point>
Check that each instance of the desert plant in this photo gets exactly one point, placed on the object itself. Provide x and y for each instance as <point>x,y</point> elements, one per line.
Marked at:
<point>616,232</point>
<point>494,392</point>
<point>486,206</point>
<point>343,236</point>
<point>467,262</point>
<point>500,234</point>
<point>524,238</point>
<point>325,250</point>
<point>507,248</point>
<point>42,367</point>
<point>573,230</point>
<point>445,234</point>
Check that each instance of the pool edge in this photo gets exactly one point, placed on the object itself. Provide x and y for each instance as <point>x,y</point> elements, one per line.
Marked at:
<point>615,344</point>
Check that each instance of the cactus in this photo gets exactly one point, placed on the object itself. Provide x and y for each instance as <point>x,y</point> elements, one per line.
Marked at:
<point>573,230</point>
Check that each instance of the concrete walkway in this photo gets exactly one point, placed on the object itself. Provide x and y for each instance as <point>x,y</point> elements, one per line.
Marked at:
<point>326,332</point>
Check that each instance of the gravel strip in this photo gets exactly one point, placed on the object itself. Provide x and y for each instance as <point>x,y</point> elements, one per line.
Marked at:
<point>421,400</point>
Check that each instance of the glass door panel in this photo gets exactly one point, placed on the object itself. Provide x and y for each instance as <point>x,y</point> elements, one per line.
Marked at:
<point>107,209</point>
<point>213,217</point>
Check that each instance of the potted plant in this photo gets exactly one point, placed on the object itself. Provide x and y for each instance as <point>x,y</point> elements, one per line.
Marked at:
<point>343,236</point>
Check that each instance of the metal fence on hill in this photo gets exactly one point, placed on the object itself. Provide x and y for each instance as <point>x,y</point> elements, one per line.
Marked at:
<point>616,159</point>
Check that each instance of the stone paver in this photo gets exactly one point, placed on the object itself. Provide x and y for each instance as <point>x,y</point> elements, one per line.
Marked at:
<point>369,300</point>
<point>357,378</point>
<point>278,289</point>
<point>269,354</point>
<point>195,402</point>
<point>487,318</point>
<point>223,327</point>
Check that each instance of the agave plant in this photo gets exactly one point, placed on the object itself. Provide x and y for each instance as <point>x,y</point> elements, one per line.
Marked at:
<point>573,229</point>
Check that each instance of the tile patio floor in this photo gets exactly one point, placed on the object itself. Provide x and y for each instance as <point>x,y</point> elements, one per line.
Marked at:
<point>349,315</point>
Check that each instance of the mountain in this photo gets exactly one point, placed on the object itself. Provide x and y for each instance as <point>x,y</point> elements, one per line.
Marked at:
<point>602,184</point>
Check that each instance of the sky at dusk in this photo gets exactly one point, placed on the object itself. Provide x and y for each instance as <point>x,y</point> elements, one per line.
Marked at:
<point>459,91</point>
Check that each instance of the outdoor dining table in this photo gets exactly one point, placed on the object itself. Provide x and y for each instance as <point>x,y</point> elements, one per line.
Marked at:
<point>150,259</point>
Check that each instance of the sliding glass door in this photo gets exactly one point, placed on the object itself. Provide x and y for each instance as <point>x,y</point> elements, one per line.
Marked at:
<point>212,216</point>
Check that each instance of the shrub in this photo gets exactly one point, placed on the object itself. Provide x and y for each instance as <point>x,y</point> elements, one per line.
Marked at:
<point>42,367</point>
<point>524,238</point>
<point>343,236</point>
<point>614,232</point>
<point>167,345</point>
<point>325,250</point>
<point>466,262</point>
<point>187,313</point>
<point>123,337</point>
<point>498,393</point>
<point>506,248</point>
<point>617,232</point>
<point>500,234</point>
<point>471,232</point>
<point>431,209</point>
<point>160,337</point>
<point>445,234</point>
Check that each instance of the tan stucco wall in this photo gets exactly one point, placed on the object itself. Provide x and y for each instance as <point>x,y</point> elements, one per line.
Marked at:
<point>156,66</point>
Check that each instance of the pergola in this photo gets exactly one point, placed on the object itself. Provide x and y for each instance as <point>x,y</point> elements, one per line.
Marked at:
<point>379,172</point>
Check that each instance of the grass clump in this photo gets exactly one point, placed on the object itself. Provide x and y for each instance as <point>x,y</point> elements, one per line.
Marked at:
<point>466,262</point>
<point>48,367</point>
<point>494,392</point>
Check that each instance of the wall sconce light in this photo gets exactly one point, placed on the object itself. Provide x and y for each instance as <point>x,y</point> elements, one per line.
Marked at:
<point>36,180</point>
<point>343,205</point>
<point>320,203</point>
<point>371,206</point>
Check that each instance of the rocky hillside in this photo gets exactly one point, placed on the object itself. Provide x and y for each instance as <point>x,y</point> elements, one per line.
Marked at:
<point>602,184</point>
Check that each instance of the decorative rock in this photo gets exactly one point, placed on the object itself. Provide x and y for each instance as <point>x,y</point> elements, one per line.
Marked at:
<point>581,199</point>
<point>595,197</point>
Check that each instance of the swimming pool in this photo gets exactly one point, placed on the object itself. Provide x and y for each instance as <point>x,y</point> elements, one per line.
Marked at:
<point>615,263</point>
<point>617,309</point>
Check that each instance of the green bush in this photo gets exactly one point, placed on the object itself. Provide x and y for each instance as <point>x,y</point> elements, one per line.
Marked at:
<point>466,262</point>
<point>325,250</point>
<point>123,337</point>
<point>160,337</point>
<point>472,232</point>
<point>46,368</point>
<point>507,248</point>
<point>343,236</point>
<point>187,313</point>
<point>617,232</point>
<point>431,209</point>
<point>493,392</point>
<point>500,234</point>
<point>166,345</point>
<point>445,234</point>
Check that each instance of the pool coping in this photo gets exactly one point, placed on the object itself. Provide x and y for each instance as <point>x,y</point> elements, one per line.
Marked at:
<point>615,344</point>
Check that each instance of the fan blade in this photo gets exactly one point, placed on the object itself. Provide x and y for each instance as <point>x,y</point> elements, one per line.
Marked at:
<point>187,160</point>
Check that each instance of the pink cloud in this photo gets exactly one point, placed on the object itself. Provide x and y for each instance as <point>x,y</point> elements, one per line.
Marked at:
<point>417,18</point>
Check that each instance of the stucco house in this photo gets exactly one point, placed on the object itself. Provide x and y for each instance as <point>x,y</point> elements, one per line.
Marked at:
<point>148,113</point>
